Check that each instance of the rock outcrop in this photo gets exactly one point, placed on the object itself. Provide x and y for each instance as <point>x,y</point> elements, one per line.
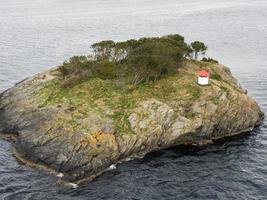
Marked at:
<point>82,140</point>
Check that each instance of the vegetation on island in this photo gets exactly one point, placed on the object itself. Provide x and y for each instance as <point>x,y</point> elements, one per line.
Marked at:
<point>132,61</point>
<point>119,75</point>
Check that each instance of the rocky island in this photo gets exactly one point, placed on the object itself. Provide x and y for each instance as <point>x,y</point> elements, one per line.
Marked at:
<point>125,100</point>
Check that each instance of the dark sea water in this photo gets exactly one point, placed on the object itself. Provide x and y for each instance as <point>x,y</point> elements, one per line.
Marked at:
<point>38,34</point>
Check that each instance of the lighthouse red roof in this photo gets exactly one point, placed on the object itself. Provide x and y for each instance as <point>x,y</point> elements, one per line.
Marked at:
<point>203,73</point>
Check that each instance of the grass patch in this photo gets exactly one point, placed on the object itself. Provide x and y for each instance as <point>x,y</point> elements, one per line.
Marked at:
<point>190,115</point>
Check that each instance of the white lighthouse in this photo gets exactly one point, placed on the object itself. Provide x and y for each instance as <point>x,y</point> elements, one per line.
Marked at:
<point>203,77</point>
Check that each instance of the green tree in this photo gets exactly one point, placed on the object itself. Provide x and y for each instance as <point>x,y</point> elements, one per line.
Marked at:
<point>198,47</point>
<point>104,49</point>
<point>152,59</point>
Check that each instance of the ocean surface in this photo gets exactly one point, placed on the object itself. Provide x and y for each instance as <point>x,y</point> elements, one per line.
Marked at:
<point>38,34</point>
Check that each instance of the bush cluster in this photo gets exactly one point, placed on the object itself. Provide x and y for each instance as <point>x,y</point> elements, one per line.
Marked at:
<point>133,61</point>
<point>210,60</point>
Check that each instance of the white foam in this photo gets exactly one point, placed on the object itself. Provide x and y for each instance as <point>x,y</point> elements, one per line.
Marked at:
<point>73,185</point>
<point>60,175</point>
<point>112,167</point>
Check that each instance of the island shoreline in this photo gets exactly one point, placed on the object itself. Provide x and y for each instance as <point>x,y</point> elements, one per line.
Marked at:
<point>40,166</point>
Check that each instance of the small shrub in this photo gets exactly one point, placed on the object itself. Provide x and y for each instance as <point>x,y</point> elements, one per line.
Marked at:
<point>210,60</point>
<point>215,76</point>
<point>75,79</point>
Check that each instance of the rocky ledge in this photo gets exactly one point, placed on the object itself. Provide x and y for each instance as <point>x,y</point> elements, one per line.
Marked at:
<point>81,131</point>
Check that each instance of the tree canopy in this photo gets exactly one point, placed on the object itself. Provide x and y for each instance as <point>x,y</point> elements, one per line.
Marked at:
<point>198,47</point>
<point>132,61</point>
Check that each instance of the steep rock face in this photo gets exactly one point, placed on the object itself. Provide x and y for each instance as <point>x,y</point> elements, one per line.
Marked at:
<point>85,143</point>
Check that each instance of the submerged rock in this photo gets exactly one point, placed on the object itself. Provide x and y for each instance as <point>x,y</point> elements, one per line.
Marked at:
<point>83,131</point>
